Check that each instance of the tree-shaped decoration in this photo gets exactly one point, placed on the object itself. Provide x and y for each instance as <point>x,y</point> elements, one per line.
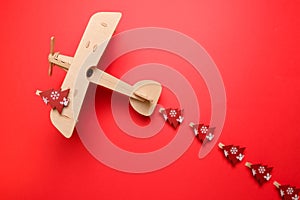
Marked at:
<point>57,99</point>
<point>173,116</point>
<point>287,192</point>
<point>234,154</point>
<point>261,173</point>
<point>203,132</point>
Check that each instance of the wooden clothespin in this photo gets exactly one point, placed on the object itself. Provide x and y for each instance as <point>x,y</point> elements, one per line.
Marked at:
<point>248,164</point>
<point>81,70</point>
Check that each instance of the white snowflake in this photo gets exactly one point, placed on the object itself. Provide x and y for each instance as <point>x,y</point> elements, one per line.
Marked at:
<point>180,119</point>
<point>261,169</point>
<point>173,113</point>
<point>226,153</point>
<point>253,172</point>
<point>281,193</point>
<point>210,137</point>
<point>268,176</point>
<point>204,129</point>
<point>240,157</point>
<point>233,150</point>
<point>54,95</point>
<point>64,102</point>
<point>196,132</point>
<point>289,191</point>
<point>165,116</point>
<point>296,197</point>
<point>46,100</point>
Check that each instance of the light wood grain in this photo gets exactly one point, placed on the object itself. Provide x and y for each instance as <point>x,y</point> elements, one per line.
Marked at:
<point>143,95</point>
<point>62,61</point>
<point>96,35</point>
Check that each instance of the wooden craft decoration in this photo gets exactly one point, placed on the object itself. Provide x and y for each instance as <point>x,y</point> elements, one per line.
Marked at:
<point>203,132</point>
<point>143,96</point>
<point>173,116</point>
<point>287,192</point>
<point>261,173</point>
<point>67,101</point>
<point>234,154</point>
<point>57,99</point>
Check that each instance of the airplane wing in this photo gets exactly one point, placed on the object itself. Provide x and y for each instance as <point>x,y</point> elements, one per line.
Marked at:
<point>94,41</point>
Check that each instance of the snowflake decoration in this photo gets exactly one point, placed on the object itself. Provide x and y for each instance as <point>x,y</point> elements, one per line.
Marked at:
<point>240,157</point>
<point>261,169</point>
<point>290,191</point>
<point>268,176</point>
<point>204,129</point>
<point>226,153</point>
<point>233,150</point>
<point>281,193</point>
<point>210,137</point>
<point>64,102</point>
<point>54,95</point>
<point>196,132</point>
<point>173,113</point>
<point>46,100</point>
<point>180,119</point>
<point>165,116</point>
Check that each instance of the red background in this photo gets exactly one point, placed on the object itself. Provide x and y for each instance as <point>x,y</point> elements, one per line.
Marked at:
<point>255,45</point>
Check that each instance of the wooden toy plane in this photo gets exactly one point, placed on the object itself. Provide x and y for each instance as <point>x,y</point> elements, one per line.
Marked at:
<point>143,96</point>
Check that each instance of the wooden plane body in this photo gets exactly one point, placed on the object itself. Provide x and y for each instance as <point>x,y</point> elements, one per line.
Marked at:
<point>81,70</point>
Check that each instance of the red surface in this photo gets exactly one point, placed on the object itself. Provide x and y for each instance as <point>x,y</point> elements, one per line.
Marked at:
<point>255,45</point>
